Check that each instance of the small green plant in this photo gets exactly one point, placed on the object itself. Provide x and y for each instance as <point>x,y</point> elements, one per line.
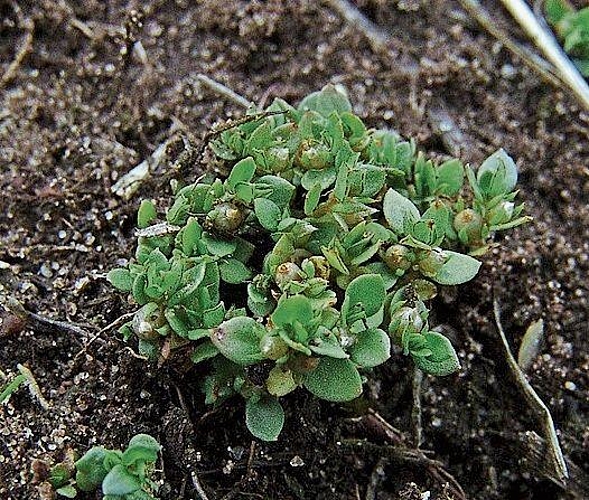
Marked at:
<point>572,27</point>
<point>121,475</point>
<point>325,242</point>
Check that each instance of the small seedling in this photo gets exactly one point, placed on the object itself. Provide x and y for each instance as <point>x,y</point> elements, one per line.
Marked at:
<point>120,475</point>
<point>572,27</point>
<point>322,247</point>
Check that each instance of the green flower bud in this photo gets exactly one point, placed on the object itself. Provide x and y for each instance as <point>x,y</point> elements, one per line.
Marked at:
<point>314,157</point>
<point>278,158</point>
<point>433,261</point>
<point>321,266</point>
<point>225,218</point>
<point>287,272</point>
<point>469,222</point>
<point>403,319</point>
<point>273,347</point>
<point>397,257</point>
<point>147,320</point>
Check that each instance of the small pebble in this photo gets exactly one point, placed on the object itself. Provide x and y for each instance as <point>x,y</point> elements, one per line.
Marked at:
<point>297,461</point>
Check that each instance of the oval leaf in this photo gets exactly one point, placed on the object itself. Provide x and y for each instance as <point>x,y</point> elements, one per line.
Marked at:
<point>400,212</point>
<point>335,380</point>
<point>234,271</point>
<point>142,447</point>
<point>243,171</point>
<point>459,268</point>
<point>146,214</point>
<point>268,213</point>
<point>238,339</point>
<point>367,290</point>
<point>264,418</point>
<point>372,348</point>
<point>120,482</point>
<point>121,279</point>
<point>291,309</point>
<point>497,174</point>
<point>441,359</point>
<point>90,470</point>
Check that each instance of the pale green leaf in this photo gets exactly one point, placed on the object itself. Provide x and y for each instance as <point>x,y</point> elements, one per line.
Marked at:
<point>268,213</point>
<point>291,309</point>
<point>334,380</point>
<point>367,290</point>
<point>442,359</point>
<point>242,171</point>
<point>234,271</point>
<point>146,214</point>
<point>400,212</point>
<point>457,269</point>
<point>264,418</point>
<point>372,348</point>
<point>120,482</point>
<point>238,339</point>
<point>121,279</point>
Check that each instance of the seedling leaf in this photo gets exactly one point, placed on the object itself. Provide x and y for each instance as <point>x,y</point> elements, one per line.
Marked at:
<point>372,348</point>
<point>334,380</point>
<point>400,212</point>
<point>459,268</point>
<point>442,359</point>
<point>264,418</point>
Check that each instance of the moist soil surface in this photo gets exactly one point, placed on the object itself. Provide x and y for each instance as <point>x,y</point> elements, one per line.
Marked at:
<point>90,89</point>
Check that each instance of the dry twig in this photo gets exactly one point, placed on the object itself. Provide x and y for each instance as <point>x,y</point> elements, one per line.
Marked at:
<point>224,91</point>
<point>560,467</point>
<point>377,37</point>
<point>546,42</point>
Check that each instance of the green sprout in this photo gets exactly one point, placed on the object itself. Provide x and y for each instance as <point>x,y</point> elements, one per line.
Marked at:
<point>120,475</point>
<point>322,248</point>
<point>572,27</point>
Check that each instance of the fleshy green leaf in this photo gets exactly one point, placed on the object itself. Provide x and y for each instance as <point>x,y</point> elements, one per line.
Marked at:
<point>497,175</point>
<point>67,491</point>
<point>282,190</point>
<point>146,214</point>
<point>400,212</point>
<point>367,290</point>
<point>234,271</point>
<point>218,246</point>
<point>372,348</point>
<point>268,213</point>
<point>442,359</point>
<point>280,382</point>
<point>121,279</point>
<point>312,198</point>
<point>450,177</point>
<point>242,171</point>
<point>238,339</point>
<point>90,470</point>
<point>291,309</point>
<point>459,268</point>
<point>328,100</point>
<point>264,418</point>
<point>334,380</point>
<point>120,482</point>
<point>142,447</point>
<point>203,351</point>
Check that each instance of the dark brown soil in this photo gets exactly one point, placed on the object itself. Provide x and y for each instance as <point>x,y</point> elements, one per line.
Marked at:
<point>84,106</point>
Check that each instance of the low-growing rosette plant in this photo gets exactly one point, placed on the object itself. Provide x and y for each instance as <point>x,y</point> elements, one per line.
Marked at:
<point>119,475</point>
<point>322,247</point>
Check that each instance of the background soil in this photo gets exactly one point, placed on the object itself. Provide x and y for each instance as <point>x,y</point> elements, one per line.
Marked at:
<point>87,103</point>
